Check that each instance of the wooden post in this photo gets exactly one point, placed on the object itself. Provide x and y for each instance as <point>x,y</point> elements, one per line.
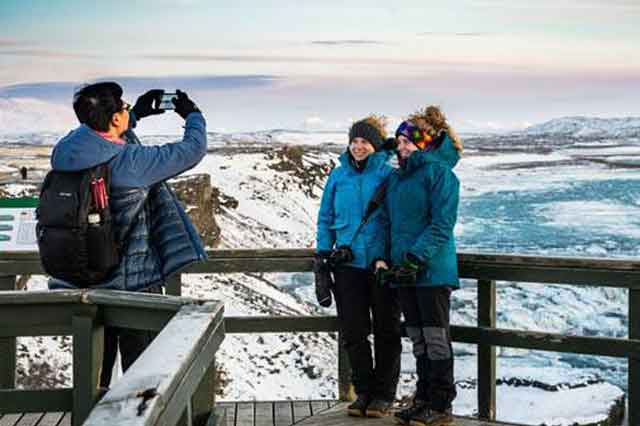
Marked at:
<point>345,387</point>
<point>7,345</point>
<point>486,353</point>
<point>186,419</point>
<point>633,375</point>
<point>204,398</point>
<point>88,342</point>
<point>174,285</point>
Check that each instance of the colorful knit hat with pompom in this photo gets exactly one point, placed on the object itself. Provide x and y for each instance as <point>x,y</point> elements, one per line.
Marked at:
<point>417,136</point>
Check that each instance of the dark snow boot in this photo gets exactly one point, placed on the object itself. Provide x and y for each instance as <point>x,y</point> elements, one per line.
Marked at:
<point>403,417</point>
<point>429,417</point>
<point>379,408</point>
<point>358,407</point>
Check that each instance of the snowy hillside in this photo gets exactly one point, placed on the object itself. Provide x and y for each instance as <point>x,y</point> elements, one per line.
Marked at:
<point>588,126</point>
<point>32,116</point>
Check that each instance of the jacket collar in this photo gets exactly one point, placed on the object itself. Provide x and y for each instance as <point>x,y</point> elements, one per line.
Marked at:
<point>81,149</point>
<point>374,161</point>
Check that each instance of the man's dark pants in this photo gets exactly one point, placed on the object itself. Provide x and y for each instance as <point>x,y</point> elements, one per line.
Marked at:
<point>362,307</point>
<point>131,342</point>
<point>426,314</point>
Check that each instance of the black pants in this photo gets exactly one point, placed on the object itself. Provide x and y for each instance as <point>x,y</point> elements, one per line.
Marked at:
<point>131,342</point>
<point>426,314</point>
<point>359,300</point>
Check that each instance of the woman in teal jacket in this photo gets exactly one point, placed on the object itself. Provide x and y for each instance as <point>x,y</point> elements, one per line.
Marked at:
<point>422,204</point>
<point>363,167</point>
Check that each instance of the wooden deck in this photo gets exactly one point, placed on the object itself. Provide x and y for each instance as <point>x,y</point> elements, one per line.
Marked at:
<point>309,413</point>
<point>36,419</point>
<point>272,413</point>
<point>256,413</point>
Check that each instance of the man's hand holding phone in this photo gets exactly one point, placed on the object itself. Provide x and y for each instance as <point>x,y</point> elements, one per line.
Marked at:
<point>148,104</point>
<point>157,101</point>
<point>183,105</point>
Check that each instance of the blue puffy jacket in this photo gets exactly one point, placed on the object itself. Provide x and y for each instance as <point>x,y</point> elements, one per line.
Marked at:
<point>422,205</point>
<point>343,204</point>
<point>149,222</point>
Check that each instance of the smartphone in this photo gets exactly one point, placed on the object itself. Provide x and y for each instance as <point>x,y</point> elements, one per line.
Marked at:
<point>165,101</point>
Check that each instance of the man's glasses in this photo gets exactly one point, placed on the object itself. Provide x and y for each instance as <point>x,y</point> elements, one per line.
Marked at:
<point>126,106</point>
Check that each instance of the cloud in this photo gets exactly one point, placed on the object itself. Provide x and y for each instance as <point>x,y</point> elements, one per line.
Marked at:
<point>346,42</point>
<point>628,5</point>
<point>48,91</point>
<point>476,126</point>
<point>63,91</point>
<point>316,123</point>
<point>454,34</point>
<point>355,60</point>
<point>8,42</point>
<point>44,53</point>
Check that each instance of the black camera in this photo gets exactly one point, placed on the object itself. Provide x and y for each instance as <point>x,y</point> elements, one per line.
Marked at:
<point>340,256</point>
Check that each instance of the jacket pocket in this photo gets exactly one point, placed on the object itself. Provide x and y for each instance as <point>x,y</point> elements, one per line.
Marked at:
<point>338,226</point>
<point>345,199</point>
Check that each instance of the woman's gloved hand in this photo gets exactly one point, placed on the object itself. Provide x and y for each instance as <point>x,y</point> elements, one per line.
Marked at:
<point>381,271</point>
<point>323,278</point>
<point>184,105</point>
<point>407,273</point>
<point>144,106</point>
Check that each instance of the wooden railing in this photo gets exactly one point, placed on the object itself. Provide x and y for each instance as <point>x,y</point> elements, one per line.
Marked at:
<point>166,385</point>
<point>484,268</point>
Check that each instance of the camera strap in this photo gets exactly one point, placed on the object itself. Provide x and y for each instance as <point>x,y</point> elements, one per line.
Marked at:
<point>374,203</point>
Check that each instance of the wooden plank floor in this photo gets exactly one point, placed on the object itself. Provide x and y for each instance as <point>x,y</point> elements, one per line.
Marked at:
<point>254,413</point>
<point>309,413</point>
<point>36,419</point>
<point>271,413</point>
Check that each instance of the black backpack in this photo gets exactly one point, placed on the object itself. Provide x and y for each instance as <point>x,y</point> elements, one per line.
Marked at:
<point>74,230</point>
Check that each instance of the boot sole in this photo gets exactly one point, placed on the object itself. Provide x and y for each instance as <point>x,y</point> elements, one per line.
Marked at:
<point>377,414</point>
<point>443,422</point>
<point>355,413</point>
<point>399,421</point>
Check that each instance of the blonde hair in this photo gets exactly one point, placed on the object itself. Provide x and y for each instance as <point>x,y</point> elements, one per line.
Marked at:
<point>432,120</point>
<point>379,122</point>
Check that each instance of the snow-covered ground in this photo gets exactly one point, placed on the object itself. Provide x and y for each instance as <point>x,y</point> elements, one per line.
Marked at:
<point>520,193</point>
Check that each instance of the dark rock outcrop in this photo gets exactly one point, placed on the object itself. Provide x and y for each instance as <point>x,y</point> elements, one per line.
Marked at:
<point>197,195</point>
<point>291,161</point>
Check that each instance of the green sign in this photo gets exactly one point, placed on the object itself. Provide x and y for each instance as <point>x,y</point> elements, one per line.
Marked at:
<point>19,203</point>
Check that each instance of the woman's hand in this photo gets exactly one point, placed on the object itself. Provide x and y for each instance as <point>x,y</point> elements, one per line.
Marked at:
<point>381,264</point>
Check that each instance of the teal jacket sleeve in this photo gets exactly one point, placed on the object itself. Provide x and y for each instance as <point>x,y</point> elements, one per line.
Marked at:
<point>142,166</point>
<point>325,235</point>
<point>444,189</point>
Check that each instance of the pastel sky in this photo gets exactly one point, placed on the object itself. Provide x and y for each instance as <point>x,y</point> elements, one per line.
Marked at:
<point>491,64</point>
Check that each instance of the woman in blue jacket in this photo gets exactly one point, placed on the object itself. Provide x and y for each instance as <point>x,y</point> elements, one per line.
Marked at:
<point>422,204</point>
<point>363,167</point>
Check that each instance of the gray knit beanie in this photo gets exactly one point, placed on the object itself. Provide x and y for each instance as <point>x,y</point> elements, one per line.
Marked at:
<point>364,130</point>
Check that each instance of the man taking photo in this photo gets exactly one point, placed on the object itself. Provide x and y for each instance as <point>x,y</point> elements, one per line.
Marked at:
<point>154,235</point>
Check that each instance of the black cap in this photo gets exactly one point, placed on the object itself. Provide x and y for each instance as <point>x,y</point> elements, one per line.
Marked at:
<point>104,95</point>
<point>362,129</point>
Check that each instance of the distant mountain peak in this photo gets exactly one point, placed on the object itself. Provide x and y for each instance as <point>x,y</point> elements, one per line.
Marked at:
<point>577,126</point>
